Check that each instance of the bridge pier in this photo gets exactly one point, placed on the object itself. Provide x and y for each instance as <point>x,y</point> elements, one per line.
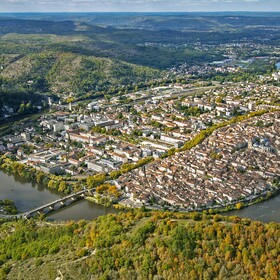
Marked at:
<point>48,207</point>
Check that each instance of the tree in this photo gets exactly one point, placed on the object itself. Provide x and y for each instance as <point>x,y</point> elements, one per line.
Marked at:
<point>182,241</point>
<point>52,184</point>
<point>239,205</point>
<point>95,180</point>
<point>21,109</point>
<point>62,186</point>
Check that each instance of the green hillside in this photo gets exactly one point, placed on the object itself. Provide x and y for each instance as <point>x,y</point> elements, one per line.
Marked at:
<point>62,73</point>
<point>141,245</point>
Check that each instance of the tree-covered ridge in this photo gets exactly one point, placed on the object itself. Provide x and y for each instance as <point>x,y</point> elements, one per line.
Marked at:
<point>62,72</point>
<point>127,45</point>
<point>142,245</point>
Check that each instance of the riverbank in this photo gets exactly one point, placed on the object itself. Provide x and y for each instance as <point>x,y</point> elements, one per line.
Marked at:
<point>117,206</point>
<point>221,209</point>
<point>8,207</point>
<point>245,203</point>
<point>265,211</point>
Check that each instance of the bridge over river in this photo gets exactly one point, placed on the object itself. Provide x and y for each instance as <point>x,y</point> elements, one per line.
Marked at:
<point>51,206</point>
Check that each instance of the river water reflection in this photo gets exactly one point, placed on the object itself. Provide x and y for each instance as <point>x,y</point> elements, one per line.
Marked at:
<point>27,196</point>
<point>266,211</point>
<point>83,209</point>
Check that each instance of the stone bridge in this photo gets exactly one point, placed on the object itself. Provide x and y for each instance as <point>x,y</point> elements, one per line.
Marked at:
<point>51,206</point>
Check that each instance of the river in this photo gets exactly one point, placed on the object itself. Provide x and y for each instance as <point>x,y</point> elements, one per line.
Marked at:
<point>27,196</point>
<point>265,211</point>
<point>277,65</point>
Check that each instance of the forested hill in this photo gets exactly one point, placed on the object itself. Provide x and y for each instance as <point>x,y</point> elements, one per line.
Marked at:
<point>136,46</point>
<point>65,72</point>
<point>141,245</point>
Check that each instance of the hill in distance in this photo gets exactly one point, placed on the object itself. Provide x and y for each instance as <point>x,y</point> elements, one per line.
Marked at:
<point>95,54</point>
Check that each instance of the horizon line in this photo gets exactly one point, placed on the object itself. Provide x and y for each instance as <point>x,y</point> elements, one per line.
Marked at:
<point>137,12</point>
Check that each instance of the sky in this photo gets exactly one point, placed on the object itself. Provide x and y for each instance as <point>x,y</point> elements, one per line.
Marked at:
<point>138,5</point>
